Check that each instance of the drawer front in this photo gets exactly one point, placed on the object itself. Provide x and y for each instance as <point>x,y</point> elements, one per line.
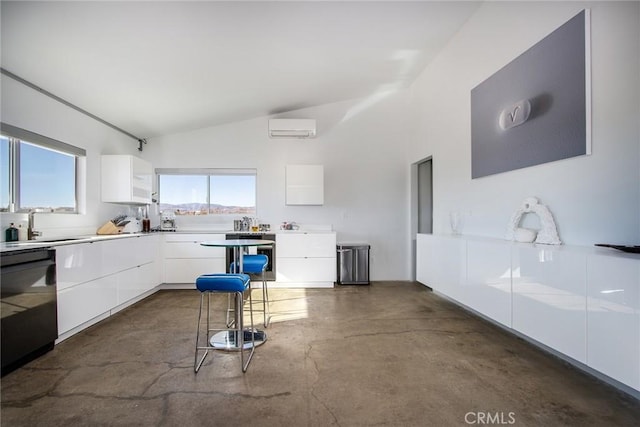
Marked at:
<point>77,264</point>
<point>191,249</point>
<point>135,282</point>
<point>192,237</point>
<point>81,303</point>
<point>306,270</point>
<point>123,254</point>
<point>305,245</point>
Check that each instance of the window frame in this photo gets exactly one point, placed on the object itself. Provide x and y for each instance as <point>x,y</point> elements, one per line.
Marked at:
<point>16,136</point>
<point>208,172</point>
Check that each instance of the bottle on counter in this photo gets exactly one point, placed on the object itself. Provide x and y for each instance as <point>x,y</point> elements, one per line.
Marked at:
<point>11,234</point>
<point>146,222</point>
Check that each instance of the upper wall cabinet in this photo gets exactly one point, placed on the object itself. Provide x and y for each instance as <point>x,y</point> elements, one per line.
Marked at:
<point>126,179</point>
<point>305,185</point>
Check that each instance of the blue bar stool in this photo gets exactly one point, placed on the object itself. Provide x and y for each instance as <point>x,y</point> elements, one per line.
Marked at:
<point>256,265</point>
<point>230,339</point>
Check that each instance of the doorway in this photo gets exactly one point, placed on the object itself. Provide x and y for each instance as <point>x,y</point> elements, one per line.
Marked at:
<point>425,197</point>
<point>421,204</point>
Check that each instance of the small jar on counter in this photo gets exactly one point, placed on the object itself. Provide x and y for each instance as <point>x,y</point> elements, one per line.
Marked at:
<point>11,234</point>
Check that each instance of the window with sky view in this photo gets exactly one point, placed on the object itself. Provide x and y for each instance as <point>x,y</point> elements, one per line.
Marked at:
<point>202,194</point>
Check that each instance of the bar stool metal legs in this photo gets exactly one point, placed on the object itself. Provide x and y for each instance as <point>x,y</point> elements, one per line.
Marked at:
<point>230,338</point>
<point>265,301</point>
<point>256,265</point>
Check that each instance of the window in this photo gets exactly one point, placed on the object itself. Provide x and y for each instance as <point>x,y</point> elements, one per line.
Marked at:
<point>207,191</point>
<point>6,174</point>
<point>37,172</point>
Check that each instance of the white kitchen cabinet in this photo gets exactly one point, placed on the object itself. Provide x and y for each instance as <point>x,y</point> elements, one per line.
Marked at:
<point>549,297</point>
<point>82,303</point>
<point>306,259</point>
<point>306,270</point>
<point>488,286</point>
<point>613,317</point>
<point>476,273</point>
<point>126,179</point>
<point>93,279</point>
<point>185,259</point>
<point>304,185</point>
<point>441,263</point>
<point>135,281</point>
<point>583,303</point>
<point>78,263</point>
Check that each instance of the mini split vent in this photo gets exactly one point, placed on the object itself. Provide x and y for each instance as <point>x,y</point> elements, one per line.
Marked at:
<point>292,128</point>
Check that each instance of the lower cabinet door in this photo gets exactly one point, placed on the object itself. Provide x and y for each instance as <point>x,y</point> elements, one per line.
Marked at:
<point>488,285</point>
<point>549,298</point>
<point>613,316</point>
<point>187,270</point>
<point>134,282</point>
<point>306,270</point>
<point>81,303</point>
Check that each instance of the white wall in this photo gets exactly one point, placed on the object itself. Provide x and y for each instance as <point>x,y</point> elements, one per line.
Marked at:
<point>361,145</point>
<point>594,199</point>
<point>28,109</point>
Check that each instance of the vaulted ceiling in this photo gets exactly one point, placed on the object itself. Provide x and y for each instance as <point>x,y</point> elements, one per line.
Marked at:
<point>159,67</point>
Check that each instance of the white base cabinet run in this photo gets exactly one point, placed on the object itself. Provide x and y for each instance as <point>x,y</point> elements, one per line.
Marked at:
<point>185,258</point>
<point>581,302</point>
<point>306,259</point>
<point>97,279</point>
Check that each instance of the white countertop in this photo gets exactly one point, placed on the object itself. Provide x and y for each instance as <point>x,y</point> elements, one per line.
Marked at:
<point>70,240</point>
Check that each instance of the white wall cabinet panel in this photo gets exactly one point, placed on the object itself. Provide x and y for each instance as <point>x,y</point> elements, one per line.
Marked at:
<point>549,298</point>
<point>81,303</point>
<point>613,318</point>
<point>488,285</point>
<point>126,179</point>
<point>305,185</point>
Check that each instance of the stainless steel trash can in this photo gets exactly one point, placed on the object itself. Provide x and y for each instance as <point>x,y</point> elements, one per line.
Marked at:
<point>353,263</point>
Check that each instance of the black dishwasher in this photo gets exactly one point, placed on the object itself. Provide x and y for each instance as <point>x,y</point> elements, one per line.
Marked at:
<point>28,306</point>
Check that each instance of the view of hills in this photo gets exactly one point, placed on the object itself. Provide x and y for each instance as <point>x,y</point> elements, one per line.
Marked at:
<point>204,209</point>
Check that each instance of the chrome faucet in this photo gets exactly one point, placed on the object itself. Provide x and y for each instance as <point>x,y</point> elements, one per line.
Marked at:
<point>31,233</point>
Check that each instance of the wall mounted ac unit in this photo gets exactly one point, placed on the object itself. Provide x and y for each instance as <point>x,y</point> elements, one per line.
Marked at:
<point>292,128</point>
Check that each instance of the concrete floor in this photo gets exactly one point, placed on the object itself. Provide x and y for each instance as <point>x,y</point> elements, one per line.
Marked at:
<point>392,353</point>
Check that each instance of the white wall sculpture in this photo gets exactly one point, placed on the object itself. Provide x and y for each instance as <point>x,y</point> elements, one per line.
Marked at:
<point>548,234</point>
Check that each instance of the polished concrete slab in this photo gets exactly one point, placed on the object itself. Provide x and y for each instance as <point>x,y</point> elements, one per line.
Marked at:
<point>392,354</point>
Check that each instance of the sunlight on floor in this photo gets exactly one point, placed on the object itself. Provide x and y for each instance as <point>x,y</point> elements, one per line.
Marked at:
<point>285,304</point>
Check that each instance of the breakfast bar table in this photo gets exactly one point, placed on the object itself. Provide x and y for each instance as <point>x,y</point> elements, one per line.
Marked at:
<point>225,340</point>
